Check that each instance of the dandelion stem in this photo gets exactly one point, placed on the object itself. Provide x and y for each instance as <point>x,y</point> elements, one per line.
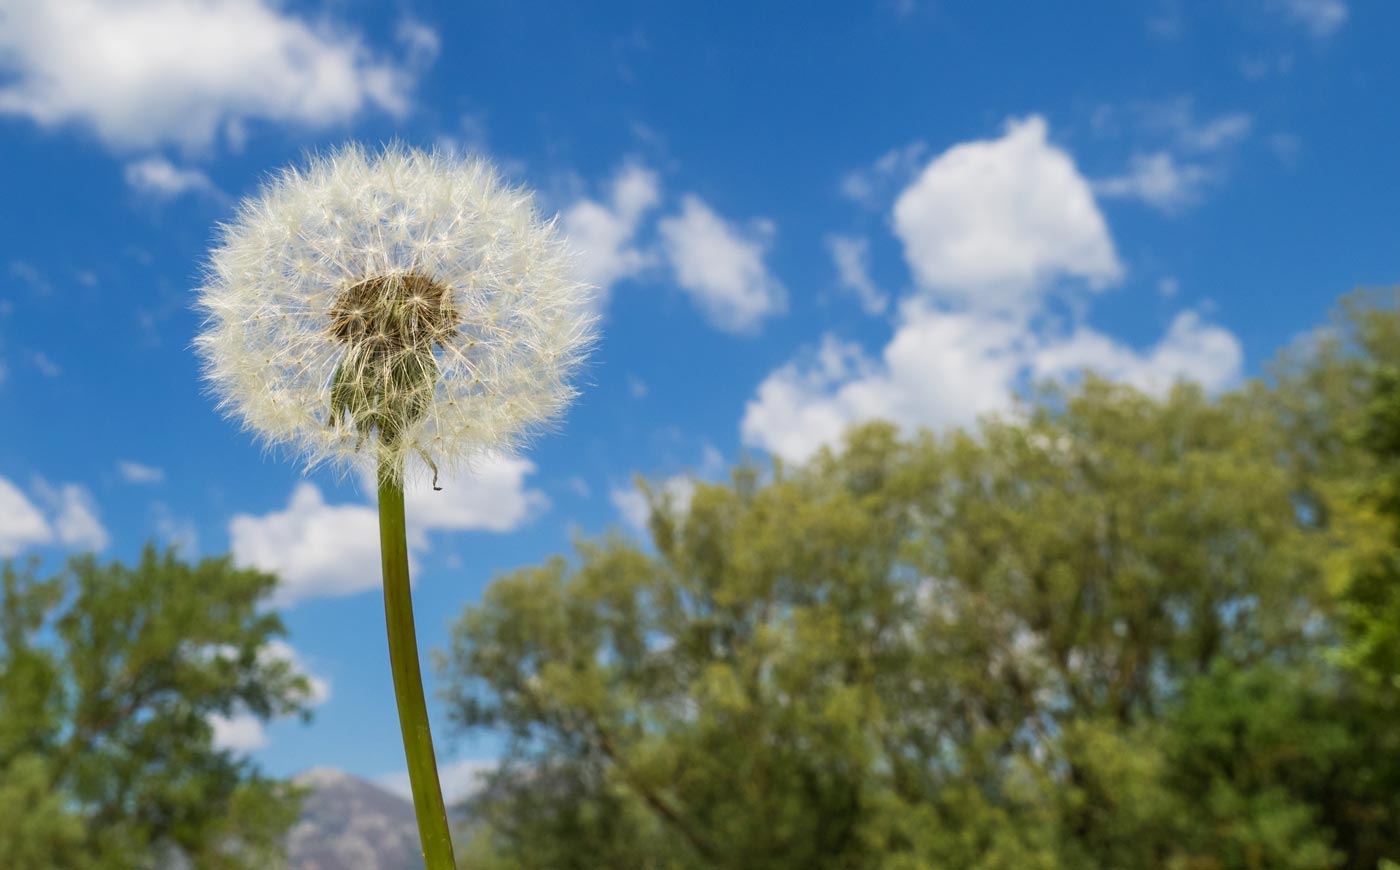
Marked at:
<point>408,679</point>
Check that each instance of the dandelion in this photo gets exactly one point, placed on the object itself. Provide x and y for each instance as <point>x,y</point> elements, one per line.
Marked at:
<point>403,309</point>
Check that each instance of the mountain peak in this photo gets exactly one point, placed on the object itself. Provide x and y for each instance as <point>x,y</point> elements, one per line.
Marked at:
<point>348,823</point>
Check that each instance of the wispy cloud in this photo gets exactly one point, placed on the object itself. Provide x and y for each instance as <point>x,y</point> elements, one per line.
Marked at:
<point>158,177</point>
<point>721,266</point>
<point>136,472</point>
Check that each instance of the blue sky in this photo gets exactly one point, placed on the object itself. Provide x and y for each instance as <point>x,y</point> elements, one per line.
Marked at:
<point>799,216</point>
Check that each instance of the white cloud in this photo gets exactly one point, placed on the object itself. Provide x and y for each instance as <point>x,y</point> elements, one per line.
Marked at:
<point>420,41</point>
<point>69,518</point>
<point>943,370</point>
<point>1191,350</point>
<point>1158,180</point>
<point>241,732</point>
<point>315,549</point>
<point>493,498</point>
<point>157,176</point>
<point>135,472</point>
<point>1223,131</point>
<point>460,779</point>
<point>722,266</point>
<point>940,369</point>
<point>73,515</point>
<point>1320,18</point>
<point>870,185</point>
<point>141,73</point>
<point>852,258</point>
<point>633,506</point>
<point>22,524</point>
<point>605,233</point>
<point>991,224</point>
<point>1184,154</point>
<point>989,227</point>
<point>278,650</point>
<point>320,550</point>
<point>1176,120</point>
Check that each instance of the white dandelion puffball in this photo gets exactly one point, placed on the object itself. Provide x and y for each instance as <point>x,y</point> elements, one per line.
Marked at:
<point>391,305</point>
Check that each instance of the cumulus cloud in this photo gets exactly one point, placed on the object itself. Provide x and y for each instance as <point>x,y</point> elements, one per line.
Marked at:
<point>988,227</point>
<point>158,177</point>
<point>77,523</point>
<point>73,516</point>
<point>852,258</point>
<point>460,779</point>
<point>991,224</point>
<point>1191,350</point>
<point>315,549</point>
<point>943,370</point>
<point>493,498</point>
<point>632,505</point>
<point>605,233</point>
<point>721,266</point>
<point>65,514</point>
<point>322,550</point>
<point>142,73</point>
<point>22,524</point>
<point>242,731</point>
<point>940,369</point>
<point>279,651</point>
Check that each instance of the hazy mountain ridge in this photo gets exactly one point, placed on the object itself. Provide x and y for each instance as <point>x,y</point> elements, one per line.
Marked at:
<point>348,823</point>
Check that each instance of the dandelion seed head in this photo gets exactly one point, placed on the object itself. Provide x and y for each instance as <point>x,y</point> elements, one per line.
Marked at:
<point>396,303</point>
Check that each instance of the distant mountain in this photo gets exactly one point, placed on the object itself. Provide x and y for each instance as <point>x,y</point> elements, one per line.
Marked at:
<point>348,823</point>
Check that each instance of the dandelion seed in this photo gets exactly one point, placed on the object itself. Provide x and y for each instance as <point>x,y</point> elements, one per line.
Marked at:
<point>399,332</point>
<point>369,288</point>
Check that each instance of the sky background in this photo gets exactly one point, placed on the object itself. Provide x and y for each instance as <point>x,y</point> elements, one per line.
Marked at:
<point>798,216</point>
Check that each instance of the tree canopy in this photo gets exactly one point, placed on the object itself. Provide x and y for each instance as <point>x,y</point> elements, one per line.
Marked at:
<point>109,677</point>
<point>1111,630</point>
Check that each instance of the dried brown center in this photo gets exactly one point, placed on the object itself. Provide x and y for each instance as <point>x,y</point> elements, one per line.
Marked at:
<point>394,312</point>
<point>389,325</point>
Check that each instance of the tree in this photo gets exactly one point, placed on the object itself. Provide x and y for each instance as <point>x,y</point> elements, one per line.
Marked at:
<point>109,676</point>
<point>1096,634</point>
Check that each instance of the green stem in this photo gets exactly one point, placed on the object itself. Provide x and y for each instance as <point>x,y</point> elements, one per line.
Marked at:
<point>408,679</point>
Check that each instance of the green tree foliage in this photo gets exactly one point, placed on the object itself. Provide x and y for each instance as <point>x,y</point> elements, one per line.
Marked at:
<point>1107,633</point>
<point>1339,397</point>
<point>108,678</point>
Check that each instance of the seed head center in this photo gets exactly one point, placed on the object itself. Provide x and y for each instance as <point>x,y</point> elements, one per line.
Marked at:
<point>389,325</point>
<point>400,311</point>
